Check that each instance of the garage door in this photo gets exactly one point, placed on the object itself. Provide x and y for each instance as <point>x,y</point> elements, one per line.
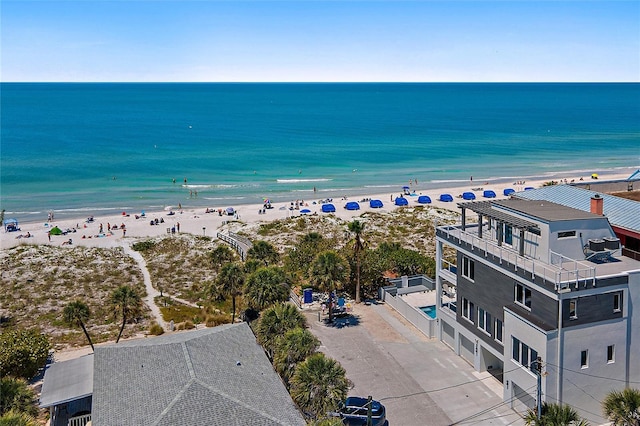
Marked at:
<point>467,349</point>
<point>448,335</point>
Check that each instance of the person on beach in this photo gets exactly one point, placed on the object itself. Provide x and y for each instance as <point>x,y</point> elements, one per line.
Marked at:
<point>49,235</point>
<point>178,226</point>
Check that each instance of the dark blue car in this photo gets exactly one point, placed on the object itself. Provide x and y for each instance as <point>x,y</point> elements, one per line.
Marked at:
<point>354,412</point>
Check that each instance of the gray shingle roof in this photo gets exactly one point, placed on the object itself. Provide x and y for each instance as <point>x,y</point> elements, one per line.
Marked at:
<point>67,381</point>
<point>621,212</point>
<point>214,376</point>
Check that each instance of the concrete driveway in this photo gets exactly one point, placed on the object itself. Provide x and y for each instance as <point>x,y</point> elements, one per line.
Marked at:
<point>420,381</point>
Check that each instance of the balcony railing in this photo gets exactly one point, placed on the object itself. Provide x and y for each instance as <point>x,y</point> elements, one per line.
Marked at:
<point>79,420</point>
<point>562,272</point>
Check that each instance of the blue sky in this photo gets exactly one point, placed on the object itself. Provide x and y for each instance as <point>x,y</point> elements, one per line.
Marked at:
<point>203,40</point>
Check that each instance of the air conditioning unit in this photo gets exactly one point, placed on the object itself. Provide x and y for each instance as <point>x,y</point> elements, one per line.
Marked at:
<point>596,245</point>
<point>612,243</point>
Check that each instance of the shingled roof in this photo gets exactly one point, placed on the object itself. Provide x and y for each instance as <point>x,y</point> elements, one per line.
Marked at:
<point>214,376</point>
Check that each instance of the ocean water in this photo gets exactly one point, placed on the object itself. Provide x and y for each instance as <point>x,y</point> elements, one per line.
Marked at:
<point>107,147</point>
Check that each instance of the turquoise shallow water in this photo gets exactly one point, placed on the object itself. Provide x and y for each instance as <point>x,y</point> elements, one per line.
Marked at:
<point>106,147</point>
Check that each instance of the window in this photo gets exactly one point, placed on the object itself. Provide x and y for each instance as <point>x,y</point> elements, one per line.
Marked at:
<point>573,304</point>
<point>617,302</point>
<point>611,354</point>
<point>523,295</point>
<point>508,234</point>
<point>523,354</point>
<point>584,359</point>
<point>566,234</point>
<point>467,309</point>
<point>468,268</point>
<point>499,330</point>
<point>484,321</point>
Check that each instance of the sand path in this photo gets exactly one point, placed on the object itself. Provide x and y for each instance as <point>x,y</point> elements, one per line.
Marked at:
<point>151,292</point>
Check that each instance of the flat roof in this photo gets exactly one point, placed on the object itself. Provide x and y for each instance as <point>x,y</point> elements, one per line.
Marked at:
<point>545,210</point>
<point>67,381</point>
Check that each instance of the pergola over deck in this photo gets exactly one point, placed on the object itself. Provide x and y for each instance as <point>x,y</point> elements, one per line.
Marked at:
<point>486,209</point>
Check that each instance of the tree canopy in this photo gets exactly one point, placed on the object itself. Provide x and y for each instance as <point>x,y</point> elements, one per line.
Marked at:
<point>266,286</point>
<point>23,352</point>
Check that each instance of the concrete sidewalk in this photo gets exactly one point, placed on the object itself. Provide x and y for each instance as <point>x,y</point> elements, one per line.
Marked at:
<point>420,381</point>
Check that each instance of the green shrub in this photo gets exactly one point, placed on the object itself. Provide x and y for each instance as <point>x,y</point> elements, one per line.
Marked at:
<point>187,325</point>
<point>143,245</point>
<point>217,319</point>
<point>156,329</point>
<point>17,396</point>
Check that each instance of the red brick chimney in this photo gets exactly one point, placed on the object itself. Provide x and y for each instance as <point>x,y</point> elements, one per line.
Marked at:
<point>597,205</point>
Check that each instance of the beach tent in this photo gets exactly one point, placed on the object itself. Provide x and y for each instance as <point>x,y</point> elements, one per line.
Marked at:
<point>401,201</point>
<point>305,211</point>
<point>230,211</point>
<point>424,199</point>
<point>594,176</point>
<point>55,231</point>
<point>446,198</point>
<point>375,204</point>
<point>489,194</point>
<point>406,190</point>
<point>352,205</point>
<point>328,208</point>
<point>11,225</point>
<point>528,188</point>
<point>508,191</point>
<point>468,196</point>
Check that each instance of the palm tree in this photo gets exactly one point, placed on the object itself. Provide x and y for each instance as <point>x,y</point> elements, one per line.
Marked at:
<point>16,395</point>
<point>622,408</point>
<point>357,228</point>
<point>126,302</point>
<point>553,415</point>
<point>267,286</point>
<point>77,313</point>
<point>318,385</point>
<point>328,272</point>
<point>293,348</point>
<point>230,282</point>
<point>275,322</point>
<point>264,252</point>
<point>220,255</point>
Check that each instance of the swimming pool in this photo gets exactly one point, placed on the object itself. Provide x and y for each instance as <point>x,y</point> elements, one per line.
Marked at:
<point>430,311</point>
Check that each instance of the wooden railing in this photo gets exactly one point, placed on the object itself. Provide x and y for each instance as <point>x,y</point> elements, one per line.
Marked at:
<point>239,243</point>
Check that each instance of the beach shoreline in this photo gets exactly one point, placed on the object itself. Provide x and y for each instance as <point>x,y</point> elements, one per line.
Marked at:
<point>195,220</point>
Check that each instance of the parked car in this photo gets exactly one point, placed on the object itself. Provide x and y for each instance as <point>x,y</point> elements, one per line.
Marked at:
<point>354,412</point>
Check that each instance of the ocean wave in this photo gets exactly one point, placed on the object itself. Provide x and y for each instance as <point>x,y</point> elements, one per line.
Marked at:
<point>303,180</point>
<point>208,185</point>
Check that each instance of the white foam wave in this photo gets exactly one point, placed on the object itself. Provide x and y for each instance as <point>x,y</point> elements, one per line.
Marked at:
<point>208,185</point>
<point>303,180</point>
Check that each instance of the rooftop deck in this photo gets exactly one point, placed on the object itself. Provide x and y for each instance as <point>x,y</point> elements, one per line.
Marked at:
<point>561,275</point>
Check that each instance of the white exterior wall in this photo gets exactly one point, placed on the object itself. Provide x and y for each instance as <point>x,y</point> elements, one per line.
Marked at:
<point>580,389</point>
<point>514,373</point>
<point>597,228</point>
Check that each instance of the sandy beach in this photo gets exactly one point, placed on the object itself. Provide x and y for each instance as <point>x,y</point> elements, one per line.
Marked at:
<point>130,225</point>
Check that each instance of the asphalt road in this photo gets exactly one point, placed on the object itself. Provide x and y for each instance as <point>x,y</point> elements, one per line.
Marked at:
<point>419,380</point>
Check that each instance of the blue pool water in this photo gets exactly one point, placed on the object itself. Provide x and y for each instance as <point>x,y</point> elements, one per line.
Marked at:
<point>430,311</point>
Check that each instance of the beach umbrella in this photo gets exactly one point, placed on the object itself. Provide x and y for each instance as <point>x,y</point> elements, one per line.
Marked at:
<point>352,205</point>
<point>424,199</point>
<point>508,191</point>
<point>468,196</point>
<point>405,187</point>
<point>446,198</point>
<point>489,194</point>
<point>230,210</point>
<point>328,208</point>
<point>305,211</point>
<point>55,231</point>
<point>594,176</point>
<point>375,204</point>
<point>401,201</point>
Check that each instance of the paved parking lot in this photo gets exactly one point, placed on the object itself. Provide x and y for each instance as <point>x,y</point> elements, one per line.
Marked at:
<point>420,381</point>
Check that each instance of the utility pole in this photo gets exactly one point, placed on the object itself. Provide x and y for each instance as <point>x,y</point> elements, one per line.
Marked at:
<point>538,362</point>
<point>369,420</point>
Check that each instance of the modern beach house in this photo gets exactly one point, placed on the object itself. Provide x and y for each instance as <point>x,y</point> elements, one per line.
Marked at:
<point>521,280</point>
